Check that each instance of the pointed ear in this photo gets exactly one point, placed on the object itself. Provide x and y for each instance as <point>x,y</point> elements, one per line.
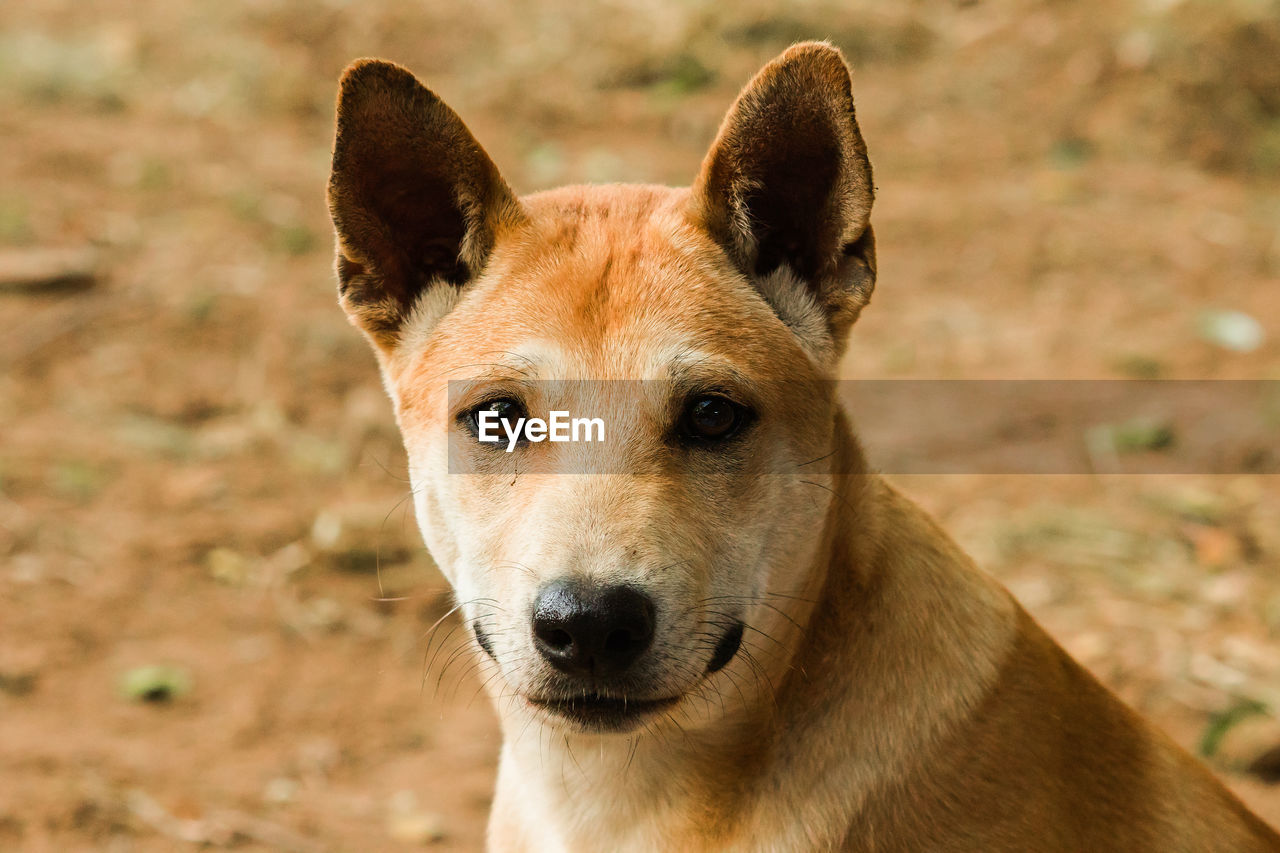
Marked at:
<point>786,188</point>
<point>414,198</point>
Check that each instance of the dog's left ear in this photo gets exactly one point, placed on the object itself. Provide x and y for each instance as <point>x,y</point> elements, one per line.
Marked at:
<point>786,188</point>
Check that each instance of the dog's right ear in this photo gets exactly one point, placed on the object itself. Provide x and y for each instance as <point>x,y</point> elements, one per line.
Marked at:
<point>414,198</point>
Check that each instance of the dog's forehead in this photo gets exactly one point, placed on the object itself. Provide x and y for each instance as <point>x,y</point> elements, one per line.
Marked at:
<point>614,282</point>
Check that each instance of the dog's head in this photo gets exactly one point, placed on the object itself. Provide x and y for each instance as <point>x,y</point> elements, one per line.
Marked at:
<point>700,325</point>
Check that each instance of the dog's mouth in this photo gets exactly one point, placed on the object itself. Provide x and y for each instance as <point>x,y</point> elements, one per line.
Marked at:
<point>597,712</point>
<point>727,647</point>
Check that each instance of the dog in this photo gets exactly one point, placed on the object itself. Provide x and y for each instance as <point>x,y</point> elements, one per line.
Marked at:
<point>715,645</point>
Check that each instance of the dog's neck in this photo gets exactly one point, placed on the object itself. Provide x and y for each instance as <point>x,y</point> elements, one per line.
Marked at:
<point>845,637</point>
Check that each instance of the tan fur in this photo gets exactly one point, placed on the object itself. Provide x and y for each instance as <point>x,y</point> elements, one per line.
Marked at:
<point>889,696</point>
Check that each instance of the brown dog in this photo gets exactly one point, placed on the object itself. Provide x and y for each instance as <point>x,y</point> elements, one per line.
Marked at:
<point>713,646</point>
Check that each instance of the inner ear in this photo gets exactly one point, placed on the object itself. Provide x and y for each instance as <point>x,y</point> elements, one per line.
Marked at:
<point>415,200</point>
<point>789,187</point>
<point>425,222</point>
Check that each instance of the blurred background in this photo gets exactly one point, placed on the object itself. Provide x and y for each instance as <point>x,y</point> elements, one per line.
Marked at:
<point>215,610</point>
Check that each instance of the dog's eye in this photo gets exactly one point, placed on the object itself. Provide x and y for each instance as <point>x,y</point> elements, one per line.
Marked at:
<point>712,417</point>
<point>503,409</point>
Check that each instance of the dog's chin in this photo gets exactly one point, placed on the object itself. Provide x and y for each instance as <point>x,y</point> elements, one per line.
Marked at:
<point>594,713</point>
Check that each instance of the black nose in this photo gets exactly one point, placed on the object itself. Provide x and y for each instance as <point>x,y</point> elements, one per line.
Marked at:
<point>586,629</point>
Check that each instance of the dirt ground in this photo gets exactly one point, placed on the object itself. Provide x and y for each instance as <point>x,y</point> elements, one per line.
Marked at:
<point>199,469</point>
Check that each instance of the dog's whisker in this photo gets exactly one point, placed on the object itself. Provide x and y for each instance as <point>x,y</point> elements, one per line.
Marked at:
<point>429,634</point>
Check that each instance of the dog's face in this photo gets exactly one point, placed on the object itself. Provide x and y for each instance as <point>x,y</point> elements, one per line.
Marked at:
<point>612,582</point>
